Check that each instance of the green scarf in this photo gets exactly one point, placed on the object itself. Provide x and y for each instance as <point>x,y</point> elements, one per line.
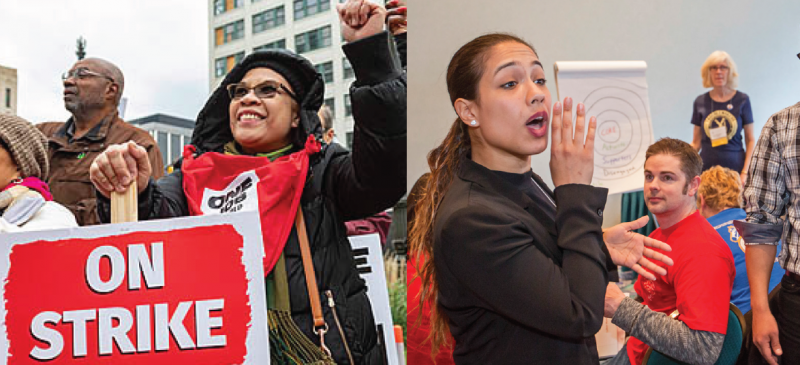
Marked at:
<point>233,148</point>
<point>288,345</point>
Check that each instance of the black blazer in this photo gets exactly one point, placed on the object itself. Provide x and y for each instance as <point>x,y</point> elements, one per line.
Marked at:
<point>516,286</point>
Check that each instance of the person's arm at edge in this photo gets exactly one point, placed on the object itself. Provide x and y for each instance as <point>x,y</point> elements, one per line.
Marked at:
<point>376,167</point>
<point>764,198</point>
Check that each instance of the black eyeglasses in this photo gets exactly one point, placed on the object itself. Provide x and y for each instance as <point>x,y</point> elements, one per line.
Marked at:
<point>82,73</point>
<point>264,90</point>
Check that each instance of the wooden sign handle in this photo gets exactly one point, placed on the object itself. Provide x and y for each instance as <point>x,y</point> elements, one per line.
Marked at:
<point>125,206</point>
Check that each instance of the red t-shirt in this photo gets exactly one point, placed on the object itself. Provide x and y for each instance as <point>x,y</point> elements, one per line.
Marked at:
<point>698,285</point>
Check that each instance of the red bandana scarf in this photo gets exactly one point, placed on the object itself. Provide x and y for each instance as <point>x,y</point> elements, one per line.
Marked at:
<point>216,183</point>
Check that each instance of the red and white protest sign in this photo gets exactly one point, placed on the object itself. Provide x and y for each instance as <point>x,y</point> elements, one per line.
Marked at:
<point>177,291</point>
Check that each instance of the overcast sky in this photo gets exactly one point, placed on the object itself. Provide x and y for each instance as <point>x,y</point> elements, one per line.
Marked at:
<point>160,46</point>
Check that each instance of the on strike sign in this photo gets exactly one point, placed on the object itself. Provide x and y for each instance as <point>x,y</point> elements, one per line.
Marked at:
<point>177,291</point>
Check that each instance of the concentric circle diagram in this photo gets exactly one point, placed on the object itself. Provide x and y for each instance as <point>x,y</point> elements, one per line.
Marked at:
<point>623,130</point>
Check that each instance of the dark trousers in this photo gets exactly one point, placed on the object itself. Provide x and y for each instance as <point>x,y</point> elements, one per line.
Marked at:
<point>784,303</point>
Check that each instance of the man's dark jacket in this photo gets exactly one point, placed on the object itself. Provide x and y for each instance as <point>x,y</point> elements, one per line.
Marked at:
<point>70,160</point>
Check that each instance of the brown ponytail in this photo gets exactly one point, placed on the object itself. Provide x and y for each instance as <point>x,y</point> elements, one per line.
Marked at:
<point>463,75</point>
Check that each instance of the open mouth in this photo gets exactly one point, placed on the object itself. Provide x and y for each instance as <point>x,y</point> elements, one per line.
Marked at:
<point>249,116</point>
<point>537,121</point>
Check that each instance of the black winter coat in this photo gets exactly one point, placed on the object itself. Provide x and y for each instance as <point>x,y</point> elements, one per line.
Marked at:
<point>341,186</point>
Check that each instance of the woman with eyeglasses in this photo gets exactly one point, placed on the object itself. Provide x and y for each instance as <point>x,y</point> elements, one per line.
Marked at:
<point>256,144</point>
<point>720,115</point>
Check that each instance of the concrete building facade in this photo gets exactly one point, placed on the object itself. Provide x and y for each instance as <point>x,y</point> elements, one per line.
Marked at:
<point>308,27</point>
<point>8,90</point>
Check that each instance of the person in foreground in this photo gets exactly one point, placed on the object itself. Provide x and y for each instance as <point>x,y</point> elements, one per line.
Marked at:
<point>695,293</point>
<point>25,200</point>
<point>263,118</point>
<point>772,200</point>
<point>517,272</point>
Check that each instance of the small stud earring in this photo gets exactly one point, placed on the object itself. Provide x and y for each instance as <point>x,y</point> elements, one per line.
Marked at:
<point>473,123</point>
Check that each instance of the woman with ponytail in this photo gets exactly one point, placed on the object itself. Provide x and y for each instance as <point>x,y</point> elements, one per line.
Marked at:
<point>516,272</point>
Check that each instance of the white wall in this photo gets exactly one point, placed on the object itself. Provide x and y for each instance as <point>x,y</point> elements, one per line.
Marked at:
<point>673,37</point>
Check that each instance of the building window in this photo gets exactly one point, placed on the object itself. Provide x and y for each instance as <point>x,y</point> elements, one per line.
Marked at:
<point>347,68</point>
<point>223,65</point>
<point>348,109</point>
<point>220,68</point>
<point>8,98</point>
<point>315,39</point>
<point>161,139</point>
<point>326,70</point>
<point>331,104</point>
<point>268,19</point>
<point>279,44</point>
<point>229,32</point>
<point>304,8</point>
<point>349,137</point>
<point>221,6</point>
<point>176,147</point>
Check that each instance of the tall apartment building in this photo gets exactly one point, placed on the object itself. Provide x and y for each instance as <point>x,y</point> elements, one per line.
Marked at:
<point>308,27</point>
<point>8,90</point>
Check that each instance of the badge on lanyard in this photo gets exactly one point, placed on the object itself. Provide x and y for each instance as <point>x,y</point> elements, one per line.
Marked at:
<point>718,135</point>
<point>720,126</point>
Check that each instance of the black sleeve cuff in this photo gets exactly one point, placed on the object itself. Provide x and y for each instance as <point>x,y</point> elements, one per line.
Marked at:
<point>579,219</point>
<point>372,59</point>
<point>580,195</point>
<point>401,41</point>
<point>758,234</point>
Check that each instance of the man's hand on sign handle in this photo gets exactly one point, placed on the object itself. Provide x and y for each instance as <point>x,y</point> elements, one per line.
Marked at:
<point>118,166</point>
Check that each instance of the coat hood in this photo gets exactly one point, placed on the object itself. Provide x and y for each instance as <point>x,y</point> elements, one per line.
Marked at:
<point>212,128</point>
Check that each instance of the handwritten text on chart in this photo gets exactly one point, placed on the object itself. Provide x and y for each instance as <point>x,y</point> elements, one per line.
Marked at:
<point>613,160</point>
<point>612,172</point>
<point>611,147</point>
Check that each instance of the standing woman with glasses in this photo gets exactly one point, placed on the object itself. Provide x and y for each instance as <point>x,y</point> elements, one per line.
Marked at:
<point>517,273</point>
<point>257,142</point>
<point>720,115</point>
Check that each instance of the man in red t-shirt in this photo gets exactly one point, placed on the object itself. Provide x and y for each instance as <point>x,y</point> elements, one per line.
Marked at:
<point>697,289</point>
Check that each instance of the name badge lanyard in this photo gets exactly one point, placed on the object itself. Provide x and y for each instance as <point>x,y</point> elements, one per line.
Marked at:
<point>719,134</point>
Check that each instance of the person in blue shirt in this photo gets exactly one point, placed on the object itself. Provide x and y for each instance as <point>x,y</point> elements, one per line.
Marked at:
<point>720,115</point>
<point>719,200</point>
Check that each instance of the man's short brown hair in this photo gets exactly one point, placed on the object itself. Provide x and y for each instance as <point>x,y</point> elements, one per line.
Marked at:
<point>691,163</point>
